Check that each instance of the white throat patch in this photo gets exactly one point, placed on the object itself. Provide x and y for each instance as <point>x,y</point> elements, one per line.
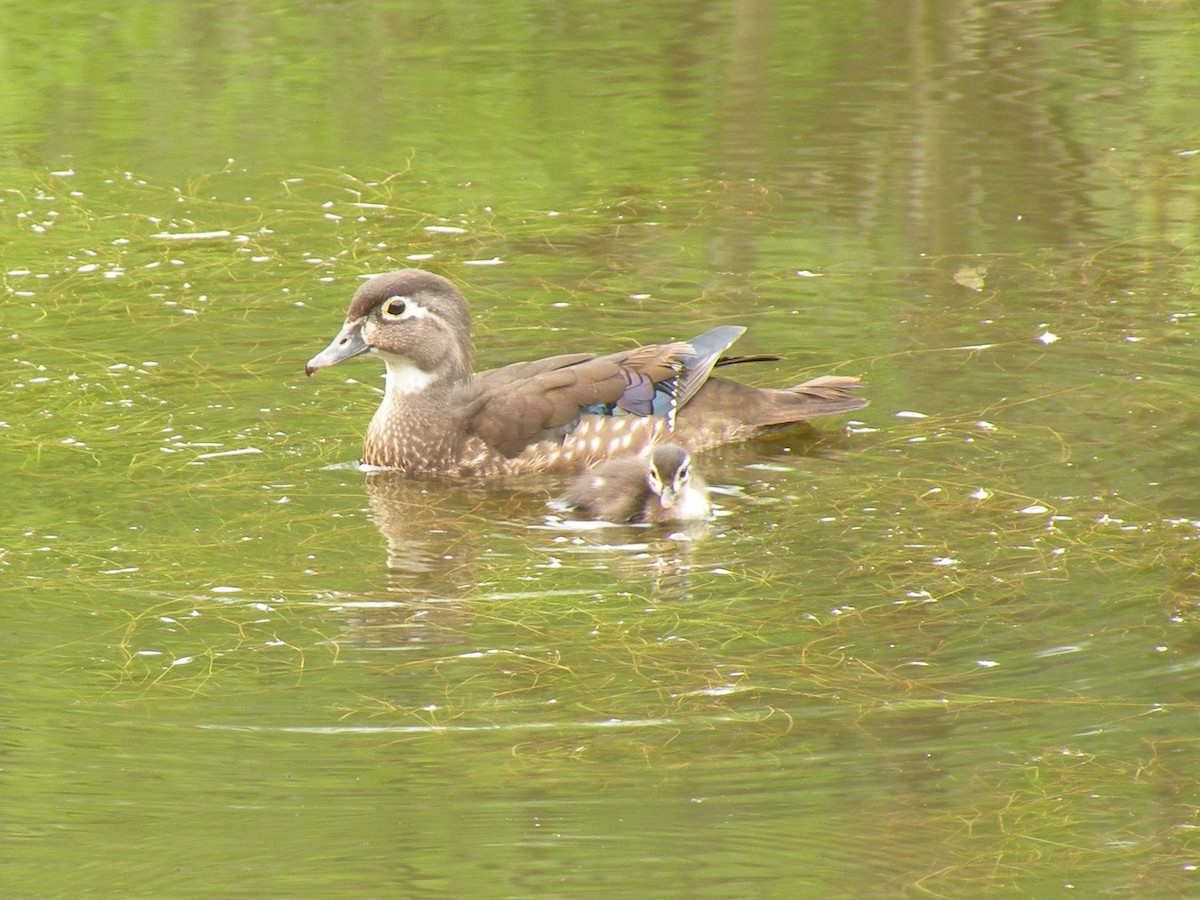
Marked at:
<point>405,378</point>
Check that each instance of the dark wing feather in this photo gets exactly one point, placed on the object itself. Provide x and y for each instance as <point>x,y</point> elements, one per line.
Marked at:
<point>757,357</point>
<point>525,403</point>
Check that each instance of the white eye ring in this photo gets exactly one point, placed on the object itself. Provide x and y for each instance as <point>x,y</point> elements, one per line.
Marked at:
<point>394,307</point>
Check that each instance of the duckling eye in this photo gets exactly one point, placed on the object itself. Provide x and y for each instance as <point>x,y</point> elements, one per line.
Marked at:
<point>682,476</point>
<point>394,308</point>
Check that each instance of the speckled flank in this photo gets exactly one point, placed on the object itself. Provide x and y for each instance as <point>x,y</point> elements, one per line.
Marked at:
<point>392,441</point>
<point>595,438</point>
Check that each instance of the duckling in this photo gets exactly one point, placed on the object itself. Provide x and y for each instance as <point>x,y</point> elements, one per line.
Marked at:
<point>659,486</point>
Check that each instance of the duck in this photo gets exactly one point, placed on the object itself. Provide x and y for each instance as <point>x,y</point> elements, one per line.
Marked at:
<point>658,486</point>
<point>560,414</point>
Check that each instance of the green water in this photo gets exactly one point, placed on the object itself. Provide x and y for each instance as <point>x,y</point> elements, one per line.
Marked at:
<point>943,645</point>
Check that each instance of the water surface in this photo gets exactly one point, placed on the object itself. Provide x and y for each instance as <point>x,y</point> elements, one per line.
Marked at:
<point>942,645</point>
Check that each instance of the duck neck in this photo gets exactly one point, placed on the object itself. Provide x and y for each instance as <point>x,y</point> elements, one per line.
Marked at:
<point>415,428</point>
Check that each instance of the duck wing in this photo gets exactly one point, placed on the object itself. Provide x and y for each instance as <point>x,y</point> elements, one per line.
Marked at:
<point>516,406</point>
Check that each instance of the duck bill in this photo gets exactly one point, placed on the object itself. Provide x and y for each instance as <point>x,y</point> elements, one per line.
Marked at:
<point>348,344</point>
<point>667,498</point>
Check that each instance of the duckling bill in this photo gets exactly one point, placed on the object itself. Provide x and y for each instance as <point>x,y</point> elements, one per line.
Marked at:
<point>559,414</point>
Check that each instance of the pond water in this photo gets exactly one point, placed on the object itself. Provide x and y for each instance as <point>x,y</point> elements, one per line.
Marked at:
<point>945,644</point>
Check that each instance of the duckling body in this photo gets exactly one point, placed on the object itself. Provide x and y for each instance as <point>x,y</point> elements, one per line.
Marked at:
<point>558,414</point>
<point>660,486</point>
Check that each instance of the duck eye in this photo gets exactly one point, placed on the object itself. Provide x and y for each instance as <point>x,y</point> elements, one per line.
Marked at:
<point>683,475</point>
<point>394,308</point>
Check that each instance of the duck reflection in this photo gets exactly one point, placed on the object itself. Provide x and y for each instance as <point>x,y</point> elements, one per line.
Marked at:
<point>434,535</point>
<point>432,529</point>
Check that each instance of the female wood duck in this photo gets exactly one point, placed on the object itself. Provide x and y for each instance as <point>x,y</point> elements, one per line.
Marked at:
<point>559,414</point>
<point>659,486</point>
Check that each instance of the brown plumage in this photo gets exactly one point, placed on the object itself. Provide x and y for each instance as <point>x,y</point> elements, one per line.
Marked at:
<point>657,486</point>
<point>559,414</point>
